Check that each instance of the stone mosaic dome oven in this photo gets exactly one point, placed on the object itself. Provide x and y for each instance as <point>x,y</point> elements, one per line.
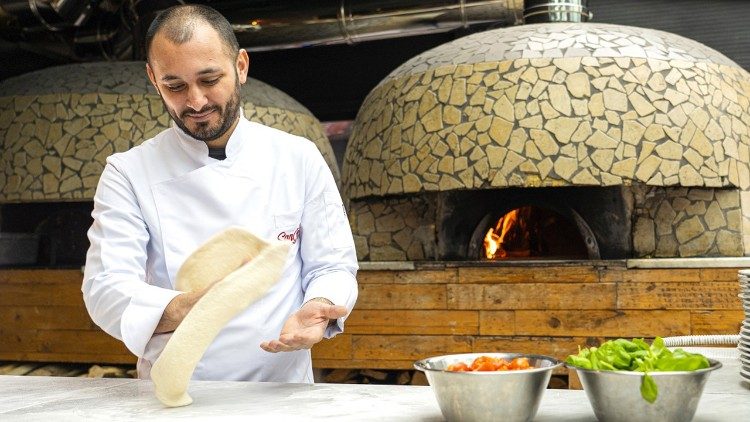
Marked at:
<point>59,124</point>
<point>639,138</point>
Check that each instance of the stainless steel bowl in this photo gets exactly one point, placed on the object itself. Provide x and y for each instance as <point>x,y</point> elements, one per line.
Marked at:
<point>488,396</point>
<point>616,395</point>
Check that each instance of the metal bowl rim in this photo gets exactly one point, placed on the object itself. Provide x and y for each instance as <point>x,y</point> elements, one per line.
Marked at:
<point>555,363</point>
<point>714,364</point>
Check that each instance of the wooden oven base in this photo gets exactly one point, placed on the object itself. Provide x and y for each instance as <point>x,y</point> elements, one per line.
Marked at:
<point>423,310</point>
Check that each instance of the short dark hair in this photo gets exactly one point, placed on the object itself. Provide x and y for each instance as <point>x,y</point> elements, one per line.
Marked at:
<point>178,24</point>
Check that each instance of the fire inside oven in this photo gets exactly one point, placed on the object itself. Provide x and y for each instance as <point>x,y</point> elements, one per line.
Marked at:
<point>570,223</point>
<point>530,232</point>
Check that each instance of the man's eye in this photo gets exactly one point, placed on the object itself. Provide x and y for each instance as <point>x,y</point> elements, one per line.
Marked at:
<point>211,81</point>
<point>175,88</point>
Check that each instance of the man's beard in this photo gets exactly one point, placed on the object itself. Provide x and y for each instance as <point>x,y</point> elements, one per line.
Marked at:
<point>204,131</point>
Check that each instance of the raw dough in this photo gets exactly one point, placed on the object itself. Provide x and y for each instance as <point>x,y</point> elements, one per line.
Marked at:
<point>217,257</point>
<point>246,267</point>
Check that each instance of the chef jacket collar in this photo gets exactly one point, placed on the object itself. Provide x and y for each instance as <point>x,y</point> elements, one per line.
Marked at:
<point>199,148</point>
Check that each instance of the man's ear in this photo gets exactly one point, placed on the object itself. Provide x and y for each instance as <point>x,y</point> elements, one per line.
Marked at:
<point>151,77</point>
<point>243,65</point>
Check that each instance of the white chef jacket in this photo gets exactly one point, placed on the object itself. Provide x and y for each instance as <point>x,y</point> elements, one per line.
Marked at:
<point>158,202</point>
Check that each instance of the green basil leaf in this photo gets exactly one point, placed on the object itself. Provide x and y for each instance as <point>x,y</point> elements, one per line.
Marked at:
<point>682,363</point>
<point>578,361</point>
<point>657,347</point>
<point>649,390</point>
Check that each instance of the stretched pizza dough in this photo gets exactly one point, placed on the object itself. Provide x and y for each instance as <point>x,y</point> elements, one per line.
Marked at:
<point>234,292</point>
<point>217,257</point>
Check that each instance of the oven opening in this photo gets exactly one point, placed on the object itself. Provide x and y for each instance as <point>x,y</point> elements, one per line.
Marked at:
<point>570,223</point>
<point>531,232</point>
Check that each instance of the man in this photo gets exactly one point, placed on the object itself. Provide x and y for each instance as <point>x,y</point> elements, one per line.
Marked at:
<point>158,202</point>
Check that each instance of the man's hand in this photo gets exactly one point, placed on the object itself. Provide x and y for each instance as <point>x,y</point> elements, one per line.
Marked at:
<point>177,309</point>
<point>305,327</point>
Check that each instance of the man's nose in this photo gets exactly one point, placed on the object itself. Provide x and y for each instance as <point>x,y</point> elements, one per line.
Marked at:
<point>196,98</point>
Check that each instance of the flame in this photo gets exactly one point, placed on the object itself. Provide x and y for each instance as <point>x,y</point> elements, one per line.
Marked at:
<point>491,243</point>
<point>513,237</point>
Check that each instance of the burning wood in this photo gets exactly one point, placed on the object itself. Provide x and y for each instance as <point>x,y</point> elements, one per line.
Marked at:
<point>510,237</point>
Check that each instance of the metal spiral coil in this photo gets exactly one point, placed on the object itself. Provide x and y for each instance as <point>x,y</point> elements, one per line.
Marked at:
<point>703,340</point>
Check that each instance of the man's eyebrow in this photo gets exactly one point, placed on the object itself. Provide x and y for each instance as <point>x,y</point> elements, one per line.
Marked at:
<point>206,71</point>
<point>209,70</point>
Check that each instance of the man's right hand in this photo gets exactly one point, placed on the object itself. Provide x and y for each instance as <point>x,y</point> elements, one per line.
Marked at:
<point>177,309</point>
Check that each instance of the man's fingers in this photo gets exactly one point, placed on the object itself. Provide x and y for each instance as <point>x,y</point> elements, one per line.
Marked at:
<point>297,341</point>
<point>287,343</point>
<point>304,329</point>
<point>275,346</point>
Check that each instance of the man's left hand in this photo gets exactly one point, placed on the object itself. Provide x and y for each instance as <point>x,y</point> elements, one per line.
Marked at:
<point>305,327</point>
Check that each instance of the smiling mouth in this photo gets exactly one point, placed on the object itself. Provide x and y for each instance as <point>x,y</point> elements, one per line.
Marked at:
<point>200,116</point>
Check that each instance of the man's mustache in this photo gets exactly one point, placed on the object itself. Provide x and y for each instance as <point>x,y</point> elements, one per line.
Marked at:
<point>201,111</point>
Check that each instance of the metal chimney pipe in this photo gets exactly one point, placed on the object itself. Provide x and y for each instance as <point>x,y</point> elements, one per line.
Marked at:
<point>290,24</point>
<point>546,11</point>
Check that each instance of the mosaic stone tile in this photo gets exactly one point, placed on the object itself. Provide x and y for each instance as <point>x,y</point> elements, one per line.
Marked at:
<point>394,229</point>
<point>674,222</point>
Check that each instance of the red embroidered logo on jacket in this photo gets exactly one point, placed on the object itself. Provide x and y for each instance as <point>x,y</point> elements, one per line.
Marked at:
<point>292,236</point>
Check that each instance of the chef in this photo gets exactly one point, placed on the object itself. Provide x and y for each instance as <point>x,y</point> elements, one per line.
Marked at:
<point>158,202</point>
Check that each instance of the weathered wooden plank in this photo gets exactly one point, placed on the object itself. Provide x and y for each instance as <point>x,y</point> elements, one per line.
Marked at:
<point>399,321</point>
<point>339,347</point>
<point>611,275</point>
<point>36,277</point>
<point>407,347</point>
<point>97,358</point>
<point>363,363</point>
<point>76,341</point>
<point>662,275</point>
<point>678,295</point>
<point>687,275</point>
<point>16,340</point>
<point>448,275</point>
<point>716,322</point>
<point>602,323</point>
<point>719,274</point>
<point>59,341</point>
<point>401,296</point>
<point>45,317</point>
<point>557,347</point>
<point>498,323</point>
<point>532,296</point>
<point>376,277</point>
<point>17,294</point>
<point>561,274</point>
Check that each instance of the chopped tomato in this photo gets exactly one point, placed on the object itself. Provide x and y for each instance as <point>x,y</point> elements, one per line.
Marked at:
<point>483,366</point>
<point>519,363</point>
<point>458,367</point>
<point>487,363</point>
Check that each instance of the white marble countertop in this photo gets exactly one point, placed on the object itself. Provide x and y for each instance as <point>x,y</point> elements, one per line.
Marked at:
<point>726,398</point>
